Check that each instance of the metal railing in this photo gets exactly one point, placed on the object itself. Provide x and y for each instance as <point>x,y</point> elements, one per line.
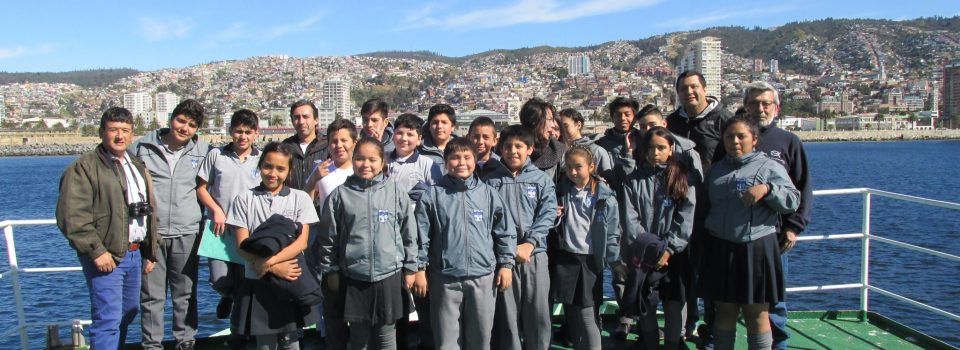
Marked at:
<point>866,237</point>
<point>864,285</point>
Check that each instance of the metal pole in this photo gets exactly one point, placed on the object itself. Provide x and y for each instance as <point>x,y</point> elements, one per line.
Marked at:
<point>15,275</point>
<point>865,256</point>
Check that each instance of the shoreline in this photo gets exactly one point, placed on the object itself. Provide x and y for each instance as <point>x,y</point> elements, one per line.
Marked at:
<point>63,146</point>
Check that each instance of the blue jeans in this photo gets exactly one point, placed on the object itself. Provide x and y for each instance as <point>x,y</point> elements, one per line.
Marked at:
<point>114,300</point>
<point>778,313</point>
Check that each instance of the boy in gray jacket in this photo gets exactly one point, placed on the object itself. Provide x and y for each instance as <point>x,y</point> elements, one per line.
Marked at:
<point>173,156</point>
<point>460,219</point>
<point>532,196</point>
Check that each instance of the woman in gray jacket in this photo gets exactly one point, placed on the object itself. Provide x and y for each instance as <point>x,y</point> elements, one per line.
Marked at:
<point>367,236</point>
<point>740,269</point>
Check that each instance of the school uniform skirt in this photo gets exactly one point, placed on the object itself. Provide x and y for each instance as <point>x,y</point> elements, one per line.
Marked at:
<point>742,273</point>
<point>574,279</point>
<point>676,286</point>
<point>261,310</point>
<point>376,303</point>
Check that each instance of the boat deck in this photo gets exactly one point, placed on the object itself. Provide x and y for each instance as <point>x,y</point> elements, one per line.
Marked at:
<point>809,329</point>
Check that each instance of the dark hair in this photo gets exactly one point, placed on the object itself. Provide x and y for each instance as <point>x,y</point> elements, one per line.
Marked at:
<point>459,144</point>
<point>244,117</point>
<point>278,148</point>
<point>376,143</point>
<point>115,114</point>
<point>621,102</point>
<point>189,108</point>
<point>676,172</point>
<point>585,152</point>
<point>302,103</point>
<point>482,121</point>
<point>519,132</point>
<point>409,121</point>
<point>533,114</point>
<point>342,124</point>
<point>374,105</point>
<point>743,119</point>
<point>689,73</point>
<point>442,108</point>
<point>648,110</point>
<point>572,114</point>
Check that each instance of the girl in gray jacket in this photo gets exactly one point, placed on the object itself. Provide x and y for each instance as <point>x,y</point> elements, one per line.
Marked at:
<point>740,268</point>
<point>367,236</point>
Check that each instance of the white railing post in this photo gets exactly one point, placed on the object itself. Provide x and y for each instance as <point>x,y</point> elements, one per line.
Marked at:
<point>865,256</point>
<point>15,276</point>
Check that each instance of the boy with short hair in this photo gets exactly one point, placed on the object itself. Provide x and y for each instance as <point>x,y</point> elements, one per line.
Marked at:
<point>225,173</point>
<point>483,134</point>
<point>406,166</point>
<point>533,210</point>
<point>460,219</point>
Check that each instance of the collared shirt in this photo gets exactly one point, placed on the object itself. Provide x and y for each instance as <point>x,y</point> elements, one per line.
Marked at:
<point>576,227</point>
<point>227,176</point>
<point>408,171</point>
<point>136,192</point>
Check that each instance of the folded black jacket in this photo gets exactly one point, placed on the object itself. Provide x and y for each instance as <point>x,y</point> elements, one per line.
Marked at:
<point>274,234</point>
<point>640,294</point>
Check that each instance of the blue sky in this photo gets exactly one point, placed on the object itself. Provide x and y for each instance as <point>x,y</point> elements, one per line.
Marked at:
<point>67,35</point>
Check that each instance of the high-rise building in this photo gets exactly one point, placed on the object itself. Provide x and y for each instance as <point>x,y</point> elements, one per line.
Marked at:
<point>336,95</point>
<point>703,55</point>
<point>935,100</point>
<point>3,109</point>
<point>758,65</point>
<point>166,102</point>
<point>139,104</point>
<point>578,64</point>
<point>951,90</point>
<point>774,66</point>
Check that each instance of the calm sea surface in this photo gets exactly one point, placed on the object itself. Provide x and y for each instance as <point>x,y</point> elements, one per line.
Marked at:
<point>28,190</point>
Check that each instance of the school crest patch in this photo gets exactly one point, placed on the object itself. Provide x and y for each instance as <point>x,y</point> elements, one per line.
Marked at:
<point>477,215</point>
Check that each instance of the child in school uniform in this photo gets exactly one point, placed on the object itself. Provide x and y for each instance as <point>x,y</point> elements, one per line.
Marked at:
<point>660,200</point>
<point>367,236</point>
<point>483,134</point>
<point>588,242</point>
<point>467,247</point>
<point>272,318</point>
<point>406,166</point>
<point>532,211</point>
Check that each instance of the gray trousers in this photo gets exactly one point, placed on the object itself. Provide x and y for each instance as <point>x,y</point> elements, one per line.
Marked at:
<point>364,336</point>
<point>176,267</point>
<point>582,324</point>
<point>224,276</point>
<point>461,311</point>
<point>283,341</point>
<point>619,283</point>
<point>674,315</point>
<point>523,311</point>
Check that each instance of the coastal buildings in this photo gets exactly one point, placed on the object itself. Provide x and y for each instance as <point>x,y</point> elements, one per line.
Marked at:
<point>774,66</point>
<point>578,64</point>
<point>3,109</point>
<point>139,104</point>
<point>166,102</point>
<point>703,55</point>
<point>336,96</point>
<point>951,90</point>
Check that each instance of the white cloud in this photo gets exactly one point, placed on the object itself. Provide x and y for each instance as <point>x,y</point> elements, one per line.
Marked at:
<point>238,31</point>
<point>154,29</point>
<point>685,22</point>
<point>302,26</point>
<point>523,12</point>
<point>20,50</point>
<point>235,31</point>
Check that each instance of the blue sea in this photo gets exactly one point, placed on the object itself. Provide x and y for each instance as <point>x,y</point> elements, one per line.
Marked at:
<point>29,189</point>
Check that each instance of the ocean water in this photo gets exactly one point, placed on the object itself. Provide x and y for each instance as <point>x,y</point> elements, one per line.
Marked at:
<point>29,189</point>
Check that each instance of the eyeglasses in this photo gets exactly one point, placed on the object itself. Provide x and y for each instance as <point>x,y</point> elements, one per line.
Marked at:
<point>761,104</point>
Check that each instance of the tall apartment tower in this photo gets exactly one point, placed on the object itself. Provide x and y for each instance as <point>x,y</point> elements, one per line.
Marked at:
<point>3,109</point>
<point>139,104</point>
<point>951,90</point>
<point>703,55</point>
<point>166,102</point>
<point>774,66</point>
<point>578,64</point>
<point>336,95</point>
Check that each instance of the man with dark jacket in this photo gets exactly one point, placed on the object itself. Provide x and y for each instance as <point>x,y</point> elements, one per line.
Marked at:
<point>173,156</point>
<point>762,103</point>
<point>107,182</point>
<point>307,149</point>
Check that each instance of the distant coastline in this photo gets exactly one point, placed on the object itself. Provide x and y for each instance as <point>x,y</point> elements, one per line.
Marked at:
<point>59,146</point>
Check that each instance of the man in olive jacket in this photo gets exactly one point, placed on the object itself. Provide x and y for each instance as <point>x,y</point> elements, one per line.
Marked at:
<point>104,211</point>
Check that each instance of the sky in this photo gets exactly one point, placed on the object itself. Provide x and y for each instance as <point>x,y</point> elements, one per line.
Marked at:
<point>53,36</point>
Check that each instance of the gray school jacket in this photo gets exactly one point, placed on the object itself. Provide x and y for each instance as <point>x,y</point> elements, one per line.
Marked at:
<point>728,179</point>
<point>464,229</point>
<point>532,200</point>
<point>605,225</point>
<point>650,209</point>
<point>367,230</point>
<point>178,210</point>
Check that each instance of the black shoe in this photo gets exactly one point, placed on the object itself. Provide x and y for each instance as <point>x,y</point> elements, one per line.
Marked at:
<point>621,333</point>
<point>187,345</point>
<point>224,307</point>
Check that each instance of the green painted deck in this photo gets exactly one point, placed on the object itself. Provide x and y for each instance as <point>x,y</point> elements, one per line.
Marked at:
<point>809,329</point>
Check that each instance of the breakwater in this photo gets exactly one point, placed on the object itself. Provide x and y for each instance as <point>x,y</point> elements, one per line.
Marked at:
<point>58,146</point>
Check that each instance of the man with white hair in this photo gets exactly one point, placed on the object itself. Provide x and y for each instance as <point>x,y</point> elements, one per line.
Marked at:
<point>762,103</point>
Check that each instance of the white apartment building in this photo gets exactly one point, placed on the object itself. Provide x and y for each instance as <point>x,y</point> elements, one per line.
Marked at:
<point>336,95</point>
<point>703,55</point>
<point>166,102</point>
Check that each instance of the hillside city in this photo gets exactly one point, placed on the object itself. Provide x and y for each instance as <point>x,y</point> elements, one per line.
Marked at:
<point>870,75</point>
